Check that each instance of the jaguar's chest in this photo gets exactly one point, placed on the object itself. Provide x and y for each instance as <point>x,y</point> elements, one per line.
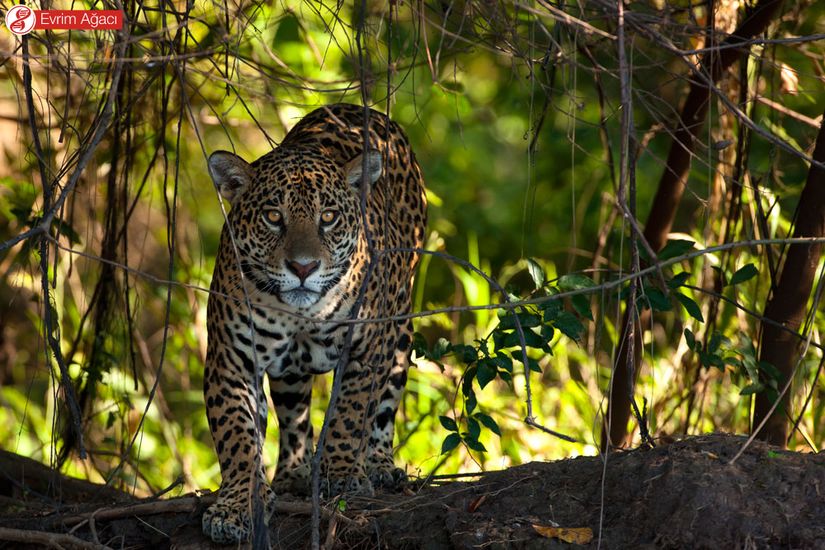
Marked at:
<point>295,346</point>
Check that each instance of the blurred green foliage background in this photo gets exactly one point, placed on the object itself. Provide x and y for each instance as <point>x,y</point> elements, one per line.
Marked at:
<point>514,118</point>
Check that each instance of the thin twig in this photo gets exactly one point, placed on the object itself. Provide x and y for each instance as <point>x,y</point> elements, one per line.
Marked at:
<point>343,359</point>
<point>813,122</point>
<point>506,305</point>
<point>755,432</point>
<point>49,328</point>
<point>564,17</point>
<point>44,539</point>
<point>183,505</point>
<point>332,529</point>
<point>751,313</point>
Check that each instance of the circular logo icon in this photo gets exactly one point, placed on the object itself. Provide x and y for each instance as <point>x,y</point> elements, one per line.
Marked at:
<point>20,20</point>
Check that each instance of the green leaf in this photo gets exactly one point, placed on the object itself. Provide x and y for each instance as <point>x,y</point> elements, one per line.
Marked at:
<point>690,339</point>
<point>716,342</point>
<point>657,299</point>
<point>750,367</point>
<point>716,361</point>
<point>473,429</point>
<point>581,304</point>
<point>482,348</point>
<point>503,361</point>
<point>453,87</point>
<point>768,369</point>
<point>551,309</point>
<point>441,347</point>
<point>489,423</point>
<point>531,363</point>
<point>527,320</point>
<point>470,402</point>
<point>448,423</point>
<point>341,505</point>
<point>733,361</point>
<point>569,325</point>
<point>547,332</point>
<point>505,340</point>
<point>419,345</point>
<point>511,339</point>
<point>289,30</point>
<point>533,340</point>
<point>505,316</point>
<point>675,248</point>
<point>536,272</point>
<point>466,354</point>
<point>498,338</point>
<point>575,281</point>
<point>486,372</point>
<point>747,347</point>
<point>750,389</point>
<point>467,380</point>
<point>678,280</point>
<point>743,274</point>
<point>450,442</point>
<point>475,445</point>
<point>691,307</point>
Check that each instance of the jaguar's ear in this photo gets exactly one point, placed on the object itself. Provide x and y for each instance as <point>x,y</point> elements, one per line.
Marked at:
<point>355,169</point>
<point>230,173</point>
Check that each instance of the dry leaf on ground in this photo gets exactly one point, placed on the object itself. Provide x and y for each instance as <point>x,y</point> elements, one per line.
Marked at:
<point>575,535</point>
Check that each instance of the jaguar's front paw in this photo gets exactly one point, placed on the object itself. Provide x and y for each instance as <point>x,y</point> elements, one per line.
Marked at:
<point>297,481</point>
<point>391,478</point>
<point>229,520</point>
<point>226,524</point>
<point>347,485</point>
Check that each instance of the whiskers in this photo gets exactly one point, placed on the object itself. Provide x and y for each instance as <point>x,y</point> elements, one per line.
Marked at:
<point>256,280</point>
<point>261,286</point>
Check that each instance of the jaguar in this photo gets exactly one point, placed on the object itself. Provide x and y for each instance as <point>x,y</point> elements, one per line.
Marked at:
<point>313,273</point>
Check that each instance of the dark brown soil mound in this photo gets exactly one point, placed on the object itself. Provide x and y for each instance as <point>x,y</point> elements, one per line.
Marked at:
<point>686,494</point>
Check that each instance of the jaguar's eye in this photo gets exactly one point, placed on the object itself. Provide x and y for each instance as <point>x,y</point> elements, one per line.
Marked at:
<point>328,216</point>
<point>273,216</point>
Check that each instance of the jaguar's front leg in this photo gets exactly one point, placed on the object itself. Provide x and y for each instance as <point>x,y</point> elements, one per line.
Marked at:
<point>292,395</point>
<point>381,468</point>
<point>236,410</point>
<point>346,446</point>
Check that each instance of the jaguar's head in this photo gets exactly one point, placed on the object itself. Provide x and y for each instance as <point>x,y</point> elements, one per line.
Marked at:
<point>295,218</point>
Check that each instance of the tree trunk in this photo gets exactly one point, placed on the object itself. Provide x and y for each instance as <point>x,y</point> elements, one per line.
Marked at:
<point>790,299</point>
<point>668,195</point>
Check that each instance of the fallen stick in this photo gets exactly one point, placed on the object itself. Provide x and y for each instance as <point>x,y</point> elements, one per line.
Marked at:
<point>51,540</point>
<point>179,505</point>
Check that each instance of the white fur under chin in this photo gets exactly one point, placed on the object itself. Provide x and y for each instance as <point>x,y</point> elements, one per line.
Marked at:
<point>300,297</point>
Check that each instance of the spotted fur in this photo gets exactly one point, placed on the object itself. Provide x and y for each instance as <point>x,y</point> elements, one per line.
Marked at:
<point>294,254</point>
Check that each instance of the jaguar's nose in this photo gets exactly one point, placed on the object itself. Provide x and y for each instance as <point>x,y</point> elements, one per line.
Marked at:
<point>302,270</point>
